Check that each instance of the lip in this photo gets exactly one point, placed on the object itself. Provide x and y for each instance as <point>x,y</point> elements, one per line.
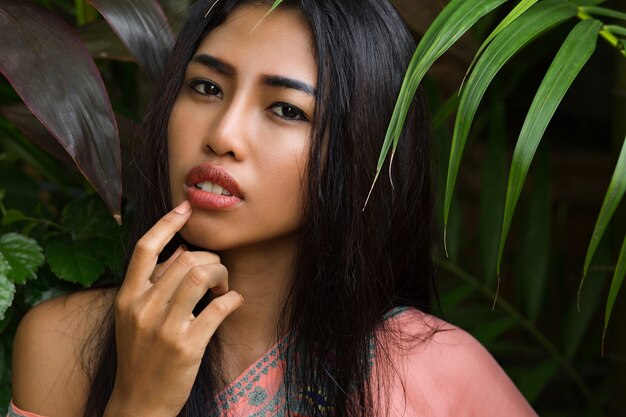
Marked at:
<point>209,201</point>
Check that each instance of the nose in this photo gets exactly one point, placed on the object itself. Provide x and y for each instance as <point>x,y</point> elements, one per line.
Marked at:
<point>230,130</point>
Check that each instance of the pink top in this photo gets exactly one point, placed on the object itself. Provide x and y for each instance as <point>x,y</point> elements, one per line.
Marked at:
<point>450,374</point>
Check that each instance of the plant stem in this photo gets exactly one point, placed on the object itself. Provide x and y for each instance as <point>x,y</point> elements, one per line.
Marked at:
<point>526,324</point>
<point>85,13</point>
<point>608,36</point>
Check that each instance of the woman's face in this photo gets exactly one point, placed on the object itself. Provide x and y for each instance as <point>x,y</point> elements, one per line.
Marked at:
<point>239,132</point>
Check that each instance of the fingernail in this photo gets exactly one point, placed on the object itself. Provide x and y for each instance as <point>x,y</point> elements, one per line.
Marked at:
<point>183,208</point>
<point>242,300</point>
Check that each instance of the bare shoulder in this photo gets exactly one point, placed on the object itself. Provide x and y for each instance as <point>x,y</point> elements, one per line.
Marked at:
<point>48,375</point>
<point>443,370</point>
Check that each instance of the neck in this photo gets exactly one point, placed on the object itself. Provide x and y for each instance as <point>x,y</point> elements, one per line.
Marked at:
<point>262,276</point>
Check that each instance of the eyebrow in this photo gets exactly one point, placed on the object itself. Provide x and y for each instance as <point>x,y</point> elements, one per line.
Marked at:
<point>269,80</point>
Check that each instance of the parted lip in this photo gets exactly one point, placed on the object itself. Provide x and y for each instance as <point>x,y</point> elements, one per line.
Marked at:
<point>214,174</point>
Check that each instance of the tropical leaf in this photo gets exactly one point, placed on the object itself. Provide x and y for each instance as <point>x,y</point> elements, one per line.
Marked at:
<point>588,2</point>
<point>533,253</point>
<point>455,19</point>
<point>514,37</point>
<point>50,69</point>
<point>27,123</point>
<point>614,194</point>
<point>616,29</point>
<point>603,11</point>
<point>492,192</point>
<point>102,42</point>
<point>574,53</point>
<point>143,27</point>
<point>517,11</point>
<point>616,284</point>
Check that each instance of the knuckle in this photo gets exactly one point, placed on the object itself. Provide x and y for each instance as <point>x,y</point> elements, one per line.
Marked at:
<point>186,259</point>
<point>121,304</point>
<point>197,276</point>
<point>220,307</point>
<point>221,271</point>
<point>144,247</point>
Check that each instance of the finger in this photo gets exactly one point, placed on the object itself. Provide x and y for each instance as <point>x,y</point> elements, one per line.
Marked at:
<point>148,248</point>
<point>171,279</point>
<point>197,282</point>
<point>214,314</point>
<point>160,269</point>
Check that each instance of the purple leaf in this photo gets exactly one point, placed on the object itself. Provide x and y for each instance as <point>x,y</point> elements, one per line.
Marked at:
<point>49,67</point>
<point>143,27</point>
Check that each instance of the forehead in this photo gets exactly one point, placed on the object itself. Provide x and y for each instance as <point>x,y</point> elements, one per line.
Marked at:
<point>278,43</point>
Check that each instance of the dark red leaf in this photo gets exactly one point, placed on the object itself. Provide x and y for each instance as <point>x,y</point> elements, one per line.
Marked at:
<point>24,120</point>
<point>49,67</point>
<point>27,123</point>
<point>102,42</point>
<point>143,27</point>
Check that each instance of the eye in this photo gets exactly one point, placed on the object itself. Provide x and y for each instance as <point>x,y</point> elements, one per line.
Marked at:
<point>288,112</point>
<point>205,88</point>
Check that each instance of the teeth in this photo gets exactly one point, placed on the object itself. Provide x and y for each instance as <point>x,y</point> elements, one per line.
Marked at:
<point>210,187</point>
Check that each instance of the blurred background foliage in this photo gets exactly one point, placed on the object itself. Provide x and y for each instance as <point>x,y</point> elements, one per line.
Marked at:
<point>57,235</point>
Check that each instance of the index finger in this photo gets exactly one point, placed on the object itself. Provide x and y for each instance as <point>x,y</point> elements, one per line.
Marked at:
<point>148,248</point>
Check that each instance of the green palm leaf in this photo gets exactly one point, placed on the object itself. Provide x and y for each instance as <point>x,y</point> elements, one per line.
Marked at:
<point>618,279</point>
<point>614,194</point>
<point>514,37</point>
<point>575,52</point>
<point>454,20</point>
<point>603,11</point>
<point>517,11</point>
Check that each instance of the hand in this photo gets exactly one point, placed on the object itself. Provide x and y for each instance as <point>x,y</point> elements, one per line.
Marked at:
<point>159,341</point>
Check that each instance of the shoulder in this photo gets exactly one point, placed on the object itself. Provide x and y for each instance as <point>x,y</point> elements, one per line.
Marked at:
<point>48,375</point>
<point>434,368</point>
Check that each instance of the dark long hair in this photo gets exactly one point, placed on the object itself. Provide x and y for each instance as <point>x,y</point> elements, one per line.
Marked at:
<point>353,264</point>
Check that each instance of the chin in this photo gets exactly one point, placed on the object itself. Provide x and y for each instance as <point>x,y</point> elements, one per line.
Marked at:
<point>202,238</point>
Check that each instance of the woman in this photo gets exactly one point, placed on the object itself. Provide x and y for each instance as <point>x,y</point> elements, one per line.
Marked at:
<point>256,163</point>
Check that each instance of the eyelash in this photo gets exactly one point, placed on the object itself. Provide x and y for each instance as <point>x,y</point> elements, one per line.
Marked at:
<point>194,87</point>
<point>299,116</point>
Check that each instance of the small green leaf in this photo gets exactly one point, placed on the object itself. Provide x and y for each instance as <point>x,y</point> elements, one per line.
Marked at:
<point>614,194</point>
<point>23,254</point>
<point>5,268</point>
<point>13,216</point>
<point>571,58</point>
<point>7,288</point>
<point>616,284</point>
<point>73,262</point>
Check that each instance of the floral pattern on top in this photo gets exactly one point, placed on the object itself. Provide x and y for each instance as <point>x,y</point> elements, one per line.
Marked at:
<point>261,390</point>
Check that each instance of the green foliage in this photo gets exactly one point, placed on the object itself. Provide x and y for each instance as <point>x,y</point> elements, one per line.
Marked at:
<point>23,256</point>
